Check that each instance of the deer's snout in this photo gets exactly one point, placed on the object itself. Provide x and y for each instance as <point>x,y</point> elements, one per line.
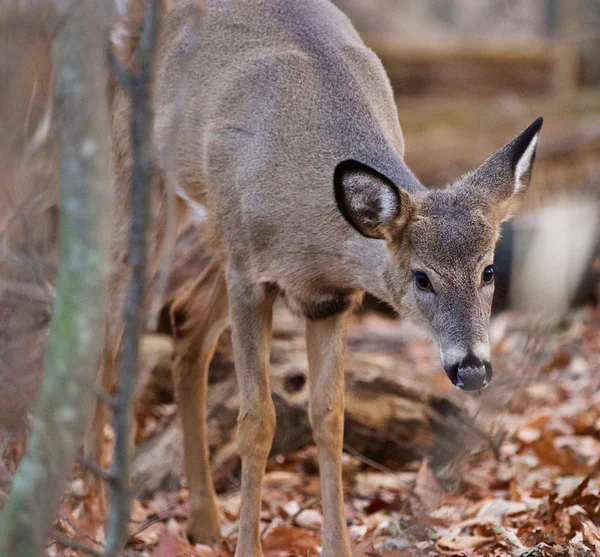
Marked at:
<point>471,373</point>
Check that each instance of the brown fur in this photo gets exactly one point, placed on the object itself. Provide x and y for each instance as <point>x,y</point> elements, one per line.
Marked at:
<point>276,96</point>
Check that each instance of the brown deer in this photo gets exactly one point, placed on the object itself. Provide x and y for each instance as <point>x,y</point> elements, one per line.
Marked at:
<point>290,150</point>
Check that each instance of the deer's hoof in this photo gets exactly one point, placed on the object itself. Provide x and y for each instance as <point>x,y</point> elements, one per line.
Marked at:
<point>204,529</point>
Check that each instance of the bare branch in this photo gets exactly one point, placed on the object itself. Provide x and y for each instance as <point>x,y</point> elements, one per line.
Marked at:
<point>104,397</point>
<point>121,74</point>
<point>68,542</point>
<point>139,89</point>
<point>96,470</point>
<point>80,531</point>
<point>366,460</point>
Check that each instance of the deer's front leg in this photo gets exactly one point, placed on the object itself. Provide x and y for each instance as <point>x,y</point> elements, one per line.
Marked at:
<point>325,341</point>
<point>251,308</point>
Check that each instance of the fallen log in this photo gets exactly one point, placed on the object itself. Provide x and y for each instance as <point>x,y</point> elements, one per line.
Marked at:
<point>391,418</point>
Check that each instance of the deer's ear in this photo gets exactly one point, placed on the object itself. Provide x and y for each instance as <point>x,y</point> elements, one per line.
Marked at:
<point>370,201</point>
<point>523,149</point>
<point>503,178</point>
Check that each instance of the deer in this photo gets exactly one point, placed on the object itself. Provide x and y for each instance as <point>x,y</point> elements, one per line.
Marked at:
<point>290,152</point>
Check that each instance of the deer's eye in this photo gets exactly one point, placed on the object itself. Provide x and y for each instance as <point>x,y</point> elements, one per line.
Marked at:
<point>422,281</point>
<point>487,276</point>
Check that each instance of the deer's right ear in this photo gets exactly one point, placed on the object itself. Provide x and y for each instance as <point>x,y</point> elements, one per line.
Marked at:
<point>369,201</point>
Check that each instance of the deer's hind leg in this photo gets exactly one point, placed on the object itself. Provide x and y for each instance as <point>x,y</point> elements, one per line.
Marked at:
<point>199,316</point>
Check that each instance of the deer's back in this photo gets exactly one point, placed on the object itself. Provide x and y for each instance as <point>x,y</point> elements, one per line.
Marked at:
<point>276,94</point>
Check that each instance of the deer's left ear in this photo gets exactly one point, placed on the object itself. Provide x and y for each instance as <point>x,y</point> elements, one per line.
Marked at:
<point>504,177</point>
<point>523,154</point>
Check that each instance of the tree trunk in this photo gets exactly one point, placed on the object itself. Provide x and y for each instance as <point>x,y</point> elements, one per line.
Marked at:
<point>76,330</point>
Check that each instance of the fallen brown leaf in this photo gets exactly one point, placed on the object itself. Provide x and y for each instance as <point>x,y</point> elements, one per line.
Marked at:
<point>453,545</point>
<point>292,540</point>
<point>170,546</point>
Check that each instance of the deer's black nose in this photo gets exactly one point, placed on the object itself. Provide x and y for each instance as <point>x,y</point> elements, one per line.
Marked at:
<point>471,373</point>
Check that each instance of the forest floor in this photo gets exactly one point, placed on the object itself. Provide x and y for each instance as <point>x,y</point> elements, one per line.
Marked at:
<point>531,489</point>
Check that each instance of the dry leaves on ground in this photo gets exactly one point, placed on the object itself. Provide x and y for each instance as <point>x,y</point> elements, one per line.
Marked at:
<point>539,496</point>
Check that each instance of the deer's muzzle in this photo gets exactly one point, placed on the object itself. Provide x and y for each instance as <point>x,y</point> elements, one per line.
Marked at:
<point>471,373</point>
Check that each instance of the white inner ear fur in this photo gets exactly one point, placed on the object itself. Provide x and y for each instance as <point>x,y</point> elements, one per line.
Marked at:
<point>389,205</point>
<point>365,192</point>
<point>524,164</point>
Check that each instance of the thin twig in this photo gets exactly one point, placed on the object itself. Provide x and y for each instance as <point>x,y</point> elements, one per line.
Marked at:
<point>139,89</point>
<point>68,542</point>
<point>311,503</point>
<point>80,531</point>
<point>96,469</point>
<point>100,394</point>
<point>121,74</point>
<point>147,525</point>
<point>366,460</point>
<point>159,518</point>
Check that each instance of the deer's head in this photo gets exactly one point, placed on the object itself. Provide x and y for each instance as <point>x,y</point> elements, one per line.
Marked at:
<point>441,247</point>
